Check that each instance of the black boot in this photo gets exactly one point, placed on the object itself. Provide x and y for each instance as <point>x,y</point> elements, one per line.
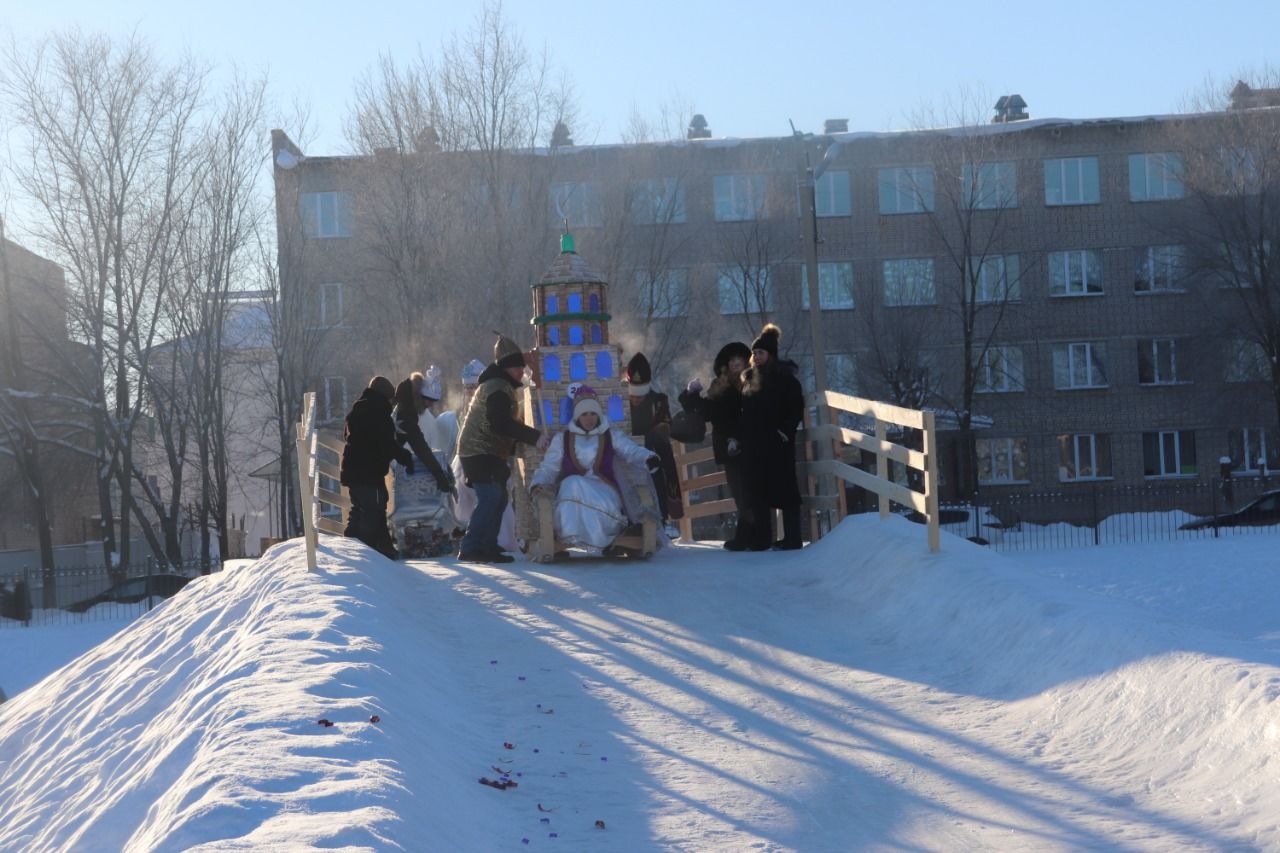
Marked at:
<point>790,540</point>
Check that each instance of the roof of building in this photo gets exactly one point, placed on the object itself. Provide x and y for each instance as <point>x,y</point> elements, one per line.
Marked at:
<point>569,268</point>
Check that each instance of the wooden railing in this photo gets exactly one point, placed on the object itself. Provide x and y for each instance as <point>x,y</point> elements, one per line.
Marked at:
<point>311,441</point>
<point>823,503</point>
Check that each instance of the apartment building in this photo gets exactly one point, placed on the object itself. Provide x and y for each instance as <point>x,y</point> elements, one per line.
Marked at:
<point>1064,270</point>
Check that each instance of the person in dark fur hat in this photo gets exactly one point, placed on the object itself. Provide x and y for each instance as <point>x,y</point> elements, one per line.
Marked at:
<point>772,408</point>
<point>370,445</point>
<point>488,438</point>
<point>721,406</point>
<point>651,419</point>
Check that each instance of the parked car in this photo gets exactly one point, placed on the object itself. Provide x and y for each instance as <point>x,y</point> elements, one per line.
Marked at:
<point>1262,510</point>
<point>133,590</point>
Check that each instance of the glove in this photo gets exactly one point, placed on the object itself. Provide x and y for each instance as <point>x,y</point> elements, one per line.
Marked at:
<point>652,463</point>
<point>694,386</point>
<point>443,482</point>
<point>408,466</point>
<point>733,447</point>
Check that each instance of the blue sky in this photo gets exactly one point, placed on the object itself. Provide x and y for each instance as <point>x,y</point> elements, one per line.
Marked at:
<point>748,66</point>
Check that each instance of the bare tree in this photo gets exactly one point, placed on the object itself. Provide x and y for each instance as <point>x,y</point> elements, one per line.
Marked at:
<point>107,164</point>
<point>1230,174</point>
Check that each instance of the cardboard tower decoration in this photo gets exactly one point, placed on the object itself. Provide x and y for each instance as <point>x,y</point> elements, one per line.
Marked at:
<point>571,326</point>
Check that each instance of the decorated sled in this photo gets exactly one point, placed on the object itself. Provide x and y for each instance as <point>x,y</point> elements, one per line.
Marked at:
<point>420,515</point>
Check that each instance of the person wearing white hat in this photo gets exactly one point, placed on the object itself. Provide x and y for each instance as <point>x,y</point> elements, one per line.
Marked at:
<point>584,466</point>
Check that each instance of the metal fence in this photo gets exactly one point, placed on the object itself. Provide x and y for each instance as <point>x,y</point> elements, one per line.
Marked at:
<point>1105,514</point>
<point>89,593</point>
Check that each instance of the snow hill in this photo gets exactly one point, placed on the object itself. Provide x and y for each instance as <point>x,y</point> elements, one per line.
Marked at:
<point>861,694</point>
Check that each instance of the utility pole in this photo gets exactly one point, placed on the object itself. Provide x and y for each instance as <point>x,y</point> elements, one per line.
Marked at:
<point>806,179</point>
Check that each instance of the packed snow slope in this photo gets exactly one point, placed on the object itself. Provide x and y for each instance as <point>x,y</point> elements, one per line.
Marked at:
<point>861,694</point>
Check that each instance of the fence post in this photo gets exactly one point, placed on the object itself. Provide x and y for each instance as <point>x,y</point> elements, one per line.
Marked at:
<point>1097,539</point>
<point>882,465</point>
<point>23,597</point>
<point>931,480</point>
<point>1213,503</point>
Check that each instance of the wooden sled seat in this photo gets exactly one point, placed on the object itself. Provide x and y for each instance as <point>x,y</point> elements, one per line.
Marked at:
<point>638,540</point>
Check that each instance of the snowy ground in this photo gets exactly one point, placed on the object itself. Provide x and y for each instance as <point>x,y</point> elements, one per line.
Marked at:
<point>860,694</point>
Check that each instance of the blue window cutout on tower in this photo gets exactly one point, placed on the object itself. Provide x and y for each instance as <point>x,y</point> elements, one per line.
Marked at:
<point>548,413</point>
<point>553,305</point>
<point>575,336</point>
<point>616,413</point>
<point>594,301</point>
<point>575,303</point>
<point>551,368</point>
<point>553,335</point>
<point>604,365</point>
<point>597,336</point>
<point>566,410</point>
<point>577,367</point>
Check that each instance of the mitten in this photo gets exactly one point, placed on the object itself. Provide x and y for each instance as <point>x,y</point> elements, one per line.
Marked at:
<point>652,463</point>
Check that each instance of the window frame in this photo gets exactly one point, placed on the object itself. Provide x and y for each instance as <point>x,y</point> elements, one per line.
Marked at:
<point>825,304</point>
<point>328,384</point>
<point>827,195</point>
<point>916,196</point>
<point>1087,260</point>
<point>1148,168</point>
<point>1007,377</point>
<point>1182,442</point>
<point>1010,455</point>
<point>324,320</point>
<point>1087,181</point>
<point>736,277</point>
<point>1094,358</point>
<point>666,207</point>
<point>642,279</point>
<point>1267,440</point>
<point>1003,195</point>
<point>1095,440</point>
<point>920,264</point>
<point>579,202</point>
<point>739,196</point>
<point>1170,269</point>
<point>1153,360</point>
<point>984,289</point>
<point>326,222</point>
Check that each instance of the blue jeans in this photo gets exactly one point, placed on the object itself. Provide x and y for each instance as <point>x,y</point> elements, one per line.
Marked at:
<point>486,520</point>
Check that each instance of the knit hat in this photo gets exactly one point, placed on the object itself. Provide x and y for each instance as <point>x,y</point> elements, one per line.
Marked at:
<point>728,352</point>
<point>471,372</point>
<point>638,375</point>
<point>383,386</point>
<point>507,353</point>
<point>585,400</point>
<point>430,386</point>
<point>768,339</point>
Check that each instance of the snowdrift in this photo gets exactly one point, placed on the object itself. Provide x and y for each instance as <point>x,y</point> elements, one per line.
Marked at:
<point>860,693</point>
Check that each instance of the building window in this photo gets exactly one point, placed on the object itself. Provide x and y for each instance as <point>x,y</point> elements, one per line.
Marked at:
<point>1252,447</point>
<point>1073,180</point>
<point>597,334</point>
<point>1246,361</point>
<point>331,309</point>
<point>835,286</point>
<point>990,186</point>
<point>998,279</point>
<point>738,198</point>
<point>909,281</point>
<point>575,335</point>
<point>748,291</point>
<point>1075,273</point>
<point>1155,177</point>
<point>906,189</point>
<point>325,214</point>
<point>553,304</point>
<point>1240,168</point>
<point>831,195</point>
<point>1080,365</point>
<point>1157,361</point>
<point>553,336</point>
<point>577,367</point>
<point>578,202</point>
<point>1169,453</point>
<point>593,303</point>
<point>662,294</point>
<point>1158,269</point>
<point>657,201</point>
<point>1002,461</point>
<point>1000,370</point>
<point>842,372</point>
<point>615,410</point>
<point>1084,456</point>
<point>334,398</point>
<point>604,364</point>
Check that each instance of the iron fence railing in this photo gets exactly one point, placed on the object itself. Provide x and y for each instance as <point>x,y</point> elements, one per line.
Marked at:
<point>1104,514</point>
<point>34,596</point>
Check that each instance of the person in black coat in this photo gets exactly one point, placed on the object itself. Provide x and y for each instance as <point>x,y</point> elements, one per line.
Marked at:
<point>651,419</point>
<point>721,407</point>
<point>772,408</point>
<point>411,402</point>
<point>371,444</point>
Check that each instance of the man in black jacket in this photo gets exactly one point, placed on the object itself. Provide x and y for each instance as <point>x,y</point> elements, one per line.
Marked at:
<point>371,444</point>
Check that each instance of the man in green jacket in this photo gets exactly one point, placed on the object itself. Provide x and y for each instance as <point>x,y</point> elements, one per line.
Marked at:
<point>489,434</point>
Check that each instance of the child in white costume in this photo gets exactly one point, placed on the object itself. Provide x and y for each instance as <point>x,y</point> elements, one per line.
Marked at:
<point>585,465</point>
